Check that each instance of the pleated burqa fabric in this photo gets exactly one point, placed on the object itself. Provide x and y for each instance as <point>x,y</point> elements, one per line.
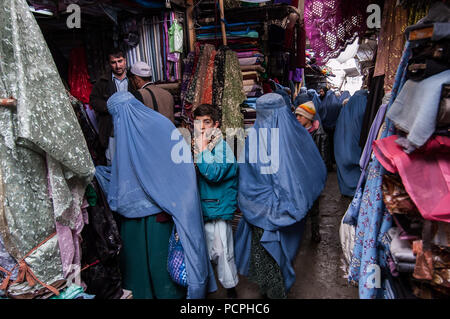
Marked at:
<point>41,148</point>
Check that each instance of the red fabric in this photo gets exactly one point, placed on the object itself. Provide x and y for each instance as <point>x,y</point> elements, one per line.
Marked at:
<point>267,88</point>
<point>208,84</point>
<point>425,173</point>
<point>80,86</point>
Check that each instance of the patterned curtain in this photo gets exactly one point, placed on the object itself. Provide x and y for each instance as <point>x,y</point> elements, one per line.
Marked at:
<point>333,24</point>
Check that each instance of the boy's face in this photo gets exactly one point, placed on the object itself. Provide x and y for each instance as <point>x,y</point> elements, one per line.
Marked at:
<point>303,120</point>
<point>205,124</point>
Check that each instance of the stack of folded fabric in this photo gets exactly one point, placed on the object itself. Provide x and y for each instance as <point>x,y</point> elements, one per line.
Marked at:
<point>401,251</point>
<point>242,38</point>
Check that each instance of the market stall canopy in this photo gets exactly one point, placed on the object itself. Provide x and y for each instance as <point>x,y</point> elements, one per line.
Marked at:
<point>99,8</point>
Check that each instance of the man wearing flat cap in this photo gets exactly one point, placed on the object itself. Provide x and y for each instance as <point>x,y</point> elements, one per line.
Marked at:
<point>150,95</point>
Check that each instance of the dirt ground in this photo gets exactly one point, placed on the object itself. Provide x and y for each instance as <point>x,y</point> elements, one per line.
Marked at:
<point>317,266</point>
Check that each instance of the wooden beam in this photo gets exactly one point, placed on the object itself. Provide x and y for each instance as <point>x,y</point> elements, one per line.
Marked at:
<point>190,24</point>
<point>222,24</point>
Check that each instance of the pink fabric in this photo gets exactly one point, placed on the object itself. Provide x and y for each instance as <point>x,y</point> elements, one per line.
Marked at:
<point>425,173</point>
<point>69,239</point>
<point>314,126</point>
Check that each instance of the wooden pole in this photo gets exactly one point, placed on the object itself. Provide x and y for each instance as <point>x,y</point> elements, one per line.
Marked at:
<point>222,24</point>
<point>8,102</point>
<point>190,24</point>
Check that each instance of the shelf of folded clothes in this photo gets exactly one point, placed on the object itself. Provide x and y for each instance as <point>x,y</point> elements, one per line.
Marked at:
<point>248,108</point>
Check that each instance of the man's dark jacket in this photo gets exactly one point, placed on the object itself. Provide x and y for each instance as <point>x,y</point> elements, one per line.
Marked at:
<point>101,92</point>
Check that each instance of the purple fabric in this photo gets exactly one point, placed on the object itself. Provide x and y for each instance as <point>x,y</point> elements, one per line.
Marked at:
<point>7,262</point>
<point>289,2</point>
<point>296,75</point>
<point>333,24</point>
<point>248,54</point>
<point>365,157</point>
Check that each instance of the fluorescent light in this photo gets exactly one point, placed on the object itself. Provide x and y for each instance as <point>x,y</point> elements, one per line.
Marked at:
<point>43,11</point>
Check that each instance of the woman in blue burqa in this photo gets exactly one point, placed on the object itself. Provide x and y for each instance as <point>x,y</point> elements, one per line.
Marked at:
<point>346,142</point>
<point>150,191</point>
<point>280,179</point>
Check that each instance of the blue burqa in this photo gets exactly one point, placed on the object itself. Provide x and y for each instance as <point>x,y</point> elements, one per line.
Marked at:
<point>278,201</point>
<point>144,180</point>
<point>346,142</point>
<point>329,110</point>
<point>344,95</point>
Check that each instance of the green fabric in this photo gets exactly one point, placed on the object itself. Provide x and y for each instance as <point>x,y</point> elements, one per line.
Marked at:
<point>176,37</point>
<point>69,293</point>
<point>233,96</point>
<point>264,270</point>
<point>91,195</point>
<point>143,259</point>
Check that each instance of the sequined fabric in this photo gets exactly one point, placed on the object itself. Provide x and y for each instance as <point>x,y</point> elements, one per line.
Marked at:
<point>219,77</point>
<point>233,94</point>
<point>41,144</point>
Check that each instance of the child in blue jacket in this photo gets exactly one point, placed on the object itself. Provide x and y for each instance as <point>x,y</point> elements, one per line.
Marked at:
<point>218,184</point>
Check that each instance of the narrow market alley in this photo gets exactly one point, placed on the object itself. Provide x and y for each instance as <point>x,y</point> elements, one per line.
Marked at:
<point>318,267</point>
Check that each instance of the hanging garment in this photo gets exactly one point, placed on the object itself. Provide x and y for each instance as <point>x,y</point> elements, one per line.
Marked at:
<point>207,94</point>
<point>391,43</point>
<point>89,132</point>
<point>219,77</point>
<point>277,198</point>
<point>233,95</point>
<point>138,186</point>
<point>425,173</point>
<point>79,83</point>
<point>176,37</point>
<point>416,107</point>
<point>100,248</point>
<point>373,220</point>
<point>346,142</point>
<point>367,151</point>
<point>46,139</point>
<point>374,100</point>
